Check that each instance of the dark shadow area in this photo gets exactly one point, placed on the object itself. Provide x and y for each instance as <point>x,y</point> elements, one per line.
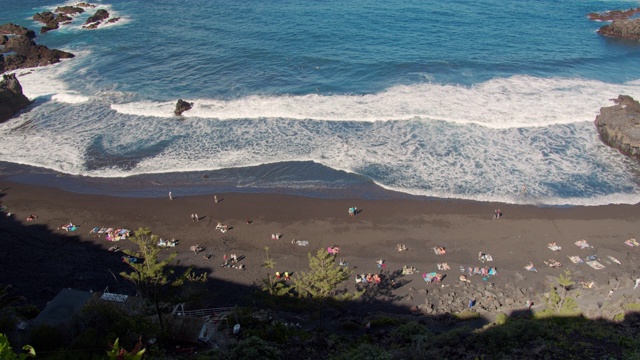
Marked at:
<point>39,262</point>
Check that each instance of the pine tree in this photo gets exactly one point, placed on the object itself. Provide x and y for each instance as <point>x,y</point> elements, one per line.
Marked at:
<point>153,278</point>
<point>322,282</point>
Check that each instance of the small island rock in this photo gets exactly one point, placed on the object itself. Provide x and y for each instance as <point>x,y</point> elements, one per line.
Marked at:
<point>182,106</point>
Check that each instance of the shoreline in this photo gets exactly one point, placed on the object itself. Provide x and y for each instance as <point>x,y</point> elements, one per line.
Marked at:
<point>463,227</point>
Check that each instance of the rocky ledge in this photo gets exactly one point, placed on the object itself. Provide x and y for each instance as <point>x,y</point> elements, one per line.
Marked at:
<point>62,15</point>
<point>12,99</point>
<point>627,29</point>
<point>613,15</point>
<point>619,125</point>
<point>20,51</point>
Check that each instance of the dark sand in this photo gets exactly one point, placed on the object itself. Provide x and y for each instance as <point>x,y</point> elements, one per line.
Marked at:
<point>39,259</point>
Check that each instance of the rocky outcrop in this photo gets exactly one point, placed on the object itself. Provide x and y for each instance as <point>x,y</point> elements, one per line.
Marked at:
<point>619,125</point>
<point>24,53</point>
<point>12,99</point>
<point>62,15</point>
<point>51,21</point>
<point>96,19</point>
<point>182,106</point>
<point>627,29</point>
<point>13,29</point>
<point>613,15</point>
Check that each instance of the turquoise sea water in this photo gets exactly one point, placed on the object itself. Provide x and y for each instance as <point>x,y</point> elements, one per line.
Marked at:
<point>465,99</point>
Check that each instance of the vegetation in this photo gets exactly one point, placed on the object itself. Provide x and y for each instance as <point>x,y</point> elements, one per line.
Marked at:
<point>6,352</point>
<point>560,303</point>
<point>324,279</point>
<point>154,278</point>
<point>268,262</point>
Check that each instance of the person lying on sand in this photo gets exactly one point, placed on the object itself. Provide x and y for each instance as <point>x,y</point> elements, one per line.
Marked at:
<point>401,247</point>
<point>439,250</point>
<point>31,217</point>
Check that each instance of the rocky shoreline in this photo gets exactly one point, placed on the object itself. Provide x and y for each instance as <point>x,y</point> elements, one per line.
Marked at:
<point>619,125</point>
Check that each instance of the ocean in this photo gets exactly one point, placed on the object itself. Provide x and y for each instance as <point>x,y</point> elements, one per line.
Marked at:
<point>482,100</point>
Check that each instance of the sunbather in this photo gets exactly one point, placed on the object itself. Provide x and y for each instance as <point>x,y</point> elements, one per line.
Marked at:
<point>439,250</point>
<point>530,267</point>
<point>401,247</point>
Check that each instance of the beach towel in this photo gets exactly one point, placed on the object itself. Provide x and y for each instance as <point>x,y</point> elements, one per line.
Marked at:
<point>582,244</point>
<point>614,259</point>
<point>575,259</point>
<point>632,242</point>
<point>300,242</point>
<point>596,265</point>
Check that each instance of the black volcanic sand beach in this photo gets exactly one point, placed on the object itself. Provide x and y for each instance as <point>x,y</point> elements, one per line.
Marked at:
<point>39,259</point>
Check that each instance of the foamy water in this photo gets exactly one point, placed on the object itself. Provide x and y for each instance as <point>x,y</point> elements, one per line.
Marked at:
<point>454,129</point>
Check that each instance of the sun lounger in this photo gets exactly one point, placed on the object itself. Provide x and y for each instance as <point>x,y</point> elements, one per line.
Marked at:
<point>614,260</point>
<point>554,247</point>
<point>575,259</point>
<point>408,270</point>
<point>596,265</point>
<point>582,244</point>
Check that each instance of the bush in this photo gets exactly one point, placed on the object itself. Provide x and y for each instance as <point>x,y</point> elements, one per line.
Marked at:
<point>501,318</point>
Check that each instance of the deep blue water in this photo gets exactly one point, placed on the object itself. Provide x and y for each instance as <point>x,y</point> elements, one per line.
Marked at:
<point>465,99</point>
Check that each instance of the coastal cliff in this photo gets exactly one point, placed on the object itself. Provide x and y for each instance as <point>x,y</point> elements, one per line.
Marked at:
<point>619,125</point>
<point>12,99</point>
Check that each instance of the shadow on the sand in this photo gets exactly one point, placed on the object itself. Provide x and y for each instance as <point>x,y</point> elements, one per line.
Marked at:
<point>40,262</point>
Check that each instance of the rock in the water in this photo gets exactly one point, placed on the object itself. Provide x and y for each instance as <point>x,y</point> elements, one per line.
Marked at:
<point>27,54</point>
<point>619,125</point>
<point>100,15</point>
<point>182,106</point>
<point>628,29</point>
<point>613,15</point>
<point>8,29</point>
<point>69,10</point>
<point>12,99</point>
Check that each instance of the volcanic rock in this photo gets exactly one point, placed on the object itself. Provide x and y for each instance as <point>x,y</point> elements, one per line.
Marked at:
<point>619,125</point>
<point>12,99</point>
<point>182,106</point>
<point>627,29</point>
<point>614,15</point>
<point>100,15</point>
<point>51,21</point>
<point>8,29</point>
<point>27,54</point>
<point>69,10</point>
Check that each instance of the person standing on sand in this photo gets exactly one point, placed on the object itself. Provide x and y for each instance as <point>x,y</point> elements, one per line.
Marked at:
<point>170,196</point>
<point>193,217</point>
<point>215,199</point>
<point>196,217</point>
<point>637,283</point>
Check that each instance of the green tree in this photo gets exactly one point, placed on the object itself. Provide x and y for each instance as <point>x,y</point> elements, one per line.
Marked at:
<point>324,279</point>
<point>119,353</point>
<point>6,352</point>
<point>268,262</point>
<point>561,303</point>
<point>154,279</point>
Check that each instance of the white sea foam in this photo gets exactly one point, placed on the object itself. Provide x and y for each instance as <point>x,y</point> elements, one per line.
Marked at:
<point>46,81</point>
<point>514,102</point>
